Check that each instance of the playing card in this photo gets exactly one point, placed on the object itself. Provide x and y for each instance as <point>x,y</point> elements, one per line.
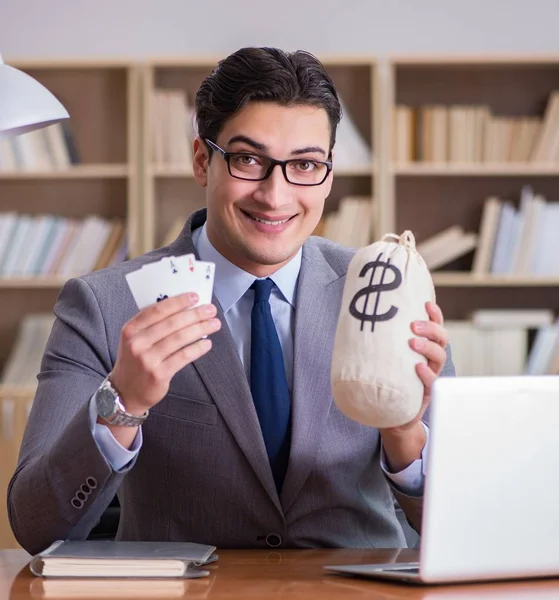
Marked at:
<point>150,284</point>
<point>171,276</point>
<point>197,276</point>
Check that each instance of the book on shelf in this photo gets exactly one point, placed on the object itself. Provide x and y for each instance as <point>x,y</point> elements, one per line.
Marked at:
<point>496,342</point>
<point>173,131</point>
<point>351,224</point>
<point>351,150</point>
<point>471,134</point>
<point>519,241</point>
<point>447,245</point>
<point>104,558</point>
<point>24,360</point>
<point>48,149</point>
<point>50,245</point>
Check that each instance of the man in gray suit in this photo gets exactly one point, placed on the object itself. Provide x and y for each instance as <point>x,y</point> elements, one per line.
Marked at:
<point>216,424</point>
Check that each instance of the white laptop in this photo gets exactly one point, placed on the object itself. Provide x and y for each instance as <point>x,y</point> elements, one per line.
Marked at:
<point>491,504</point>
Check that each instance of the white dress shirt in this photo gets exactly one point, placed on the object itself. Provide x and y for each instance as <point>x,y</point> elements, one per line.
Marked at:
<point>231,288</point>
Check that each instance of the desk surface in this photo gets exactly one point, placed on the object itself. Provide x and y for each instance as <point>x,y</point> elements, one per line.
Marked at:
<point>248,574</point>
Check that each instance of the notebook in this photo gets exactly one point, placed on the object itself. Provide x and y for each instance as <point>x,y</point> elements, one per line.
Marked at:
<point>104,558</point>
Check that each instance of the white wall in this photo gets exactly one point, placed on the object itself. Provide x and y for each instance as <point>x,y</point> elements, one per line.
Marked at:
<point>156,28</point>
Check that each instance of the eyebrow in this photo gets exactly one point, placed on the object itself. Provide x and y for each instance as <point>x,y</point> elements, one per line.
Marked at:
<point>263,148</point>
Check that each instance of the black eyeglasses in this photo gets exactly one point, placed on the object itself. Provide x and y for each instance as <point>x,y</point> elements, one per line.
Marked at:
<point>256,167</point>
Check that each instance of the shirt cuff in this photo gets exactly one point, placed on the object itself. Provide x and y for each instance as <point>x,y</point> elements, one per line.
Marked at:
<point>411,480</point>
<point>116,455</point>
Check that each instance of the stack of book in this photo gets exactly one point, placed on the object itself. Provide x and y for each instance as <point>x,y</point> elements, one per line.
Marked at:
<point>446,246</point>
<point>496,342</point>
<point>45,149</point>
<point>472,134</point>
<point>49,245</point>
<point>351,225</point>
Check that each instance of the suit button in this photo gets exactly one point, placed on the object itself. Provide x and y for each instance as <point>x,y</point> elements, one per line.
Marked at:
<point>273,540</point>
<point>77,503</point>
<point>91,482</point>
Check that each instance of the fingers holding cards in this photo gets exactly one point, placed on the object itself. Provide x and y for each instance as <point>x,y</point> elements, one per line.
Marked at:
<point>177,330</point>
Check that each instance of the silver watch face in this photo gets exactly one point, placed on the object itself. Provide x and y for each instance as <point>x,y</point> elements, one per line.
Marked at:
<point>106,403</point>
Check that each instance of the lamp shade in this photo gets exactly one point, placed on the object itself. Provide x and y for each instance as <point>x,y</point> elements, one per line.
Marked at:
<point>25,104</point>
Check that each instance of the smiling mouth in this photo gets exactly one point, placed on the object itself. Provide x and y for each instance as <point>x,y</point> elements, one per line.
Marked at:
<point>267,221</point>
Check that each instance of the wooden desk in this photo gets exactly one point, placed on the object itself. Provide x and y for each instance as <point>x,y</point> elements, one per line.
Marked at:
<point>251,574</point>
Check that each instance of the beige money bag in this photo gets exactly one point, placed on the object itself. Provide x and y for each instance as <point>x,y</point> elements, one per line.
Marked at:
<point>373,372</point>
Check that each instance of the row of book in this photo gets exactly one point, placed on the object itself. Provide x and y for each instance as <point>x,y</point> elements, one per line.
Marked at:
<point>472,134</point>
<point>50,245</point>
<point>497,342</point>
<point>519,241</point>
<point>48,149</point>
<point>352,224</point>
<point>172,120</point>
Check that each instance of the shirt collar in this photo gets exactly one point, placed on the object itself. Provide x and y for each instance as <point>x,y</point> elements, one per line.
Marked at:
<point>231,282</point>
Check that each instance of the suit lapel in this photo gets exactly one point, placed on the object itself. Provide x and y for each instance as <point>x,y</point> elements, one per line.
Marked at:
<point>316,314</point>
<point>224,376</point>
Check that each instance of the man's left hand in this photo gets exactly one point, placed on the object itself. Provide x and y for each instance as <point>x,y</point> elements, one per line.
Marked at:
<point>404,444</point>
<point>430,342</point>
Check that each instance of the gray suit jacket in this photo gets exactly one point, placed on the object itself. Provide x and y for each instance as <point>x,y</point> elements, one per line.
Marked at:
<point>202,474</point>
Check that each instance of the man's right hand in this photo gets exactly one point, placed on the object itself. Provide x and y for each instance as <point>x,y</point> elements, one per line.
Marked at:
<point>154,345</point>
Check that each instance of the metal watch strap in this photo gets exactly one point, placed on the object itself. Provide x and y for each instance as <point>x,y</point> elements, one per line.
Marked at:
<point>121,417</point>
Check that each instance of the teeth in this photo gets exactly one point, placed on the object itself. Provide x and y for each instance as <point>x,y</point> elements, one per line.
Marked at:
<point>268,222</point>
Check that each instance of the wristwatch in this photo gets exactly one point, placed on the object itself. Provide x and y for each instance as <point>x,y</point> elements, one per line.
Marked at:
<point>111,409</point>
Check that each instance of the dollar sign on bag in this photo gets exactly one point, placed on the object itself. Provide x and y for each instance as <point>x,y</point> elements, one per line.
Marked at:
<point>375,289</point>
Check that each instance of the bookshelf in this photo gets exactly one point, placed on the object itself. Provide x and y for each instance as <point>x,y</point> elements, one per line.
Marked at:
<point>103,101</point>
<point>433,183</point>
<point>122,175</point>
<point>170,191</point>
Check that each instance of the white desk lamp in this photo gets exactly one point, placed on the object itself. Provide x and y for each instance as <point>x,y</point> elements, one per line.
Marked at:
<point>25,104</point>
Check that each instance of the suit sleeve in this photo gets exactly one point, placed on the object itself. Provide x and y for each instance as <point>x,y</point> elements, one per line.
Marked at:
<point>413,505</point>
<point>62,483</point>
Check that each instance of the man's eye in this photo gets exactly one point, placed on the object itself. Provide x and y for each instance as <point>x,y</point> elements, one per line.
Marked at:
<point>245,160</point>
<point>305,166</point>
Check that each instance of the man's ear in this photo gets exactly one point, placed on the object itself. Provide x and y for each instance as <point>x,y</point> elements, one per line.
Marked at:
<point>200,162</point>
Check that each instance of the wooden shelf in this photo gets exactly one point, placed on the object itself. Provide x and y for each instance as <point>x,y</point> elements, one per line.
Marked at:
<point>473,170</point>
<point>356,172</point>
<point>92,171</point>
<point>24,283</point>
<point>450,279</point>
<point>170,171</point>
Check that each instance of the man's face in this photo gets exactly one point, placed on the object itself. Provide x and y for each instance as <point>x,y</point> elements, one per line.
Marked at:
<point>236,208</point>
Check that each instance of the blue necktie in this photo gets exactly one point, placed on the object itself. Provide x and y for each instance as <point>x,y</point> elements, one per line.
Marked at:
<point>268,382</point>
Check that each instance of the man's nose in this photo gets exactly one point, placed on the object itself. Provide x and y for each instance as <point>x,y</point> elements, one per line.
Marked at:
<point>275,190</point>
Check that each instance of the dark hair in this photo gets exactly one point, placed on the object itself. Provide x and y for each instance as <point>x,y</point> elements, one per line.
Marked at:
<point>264,75</point>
